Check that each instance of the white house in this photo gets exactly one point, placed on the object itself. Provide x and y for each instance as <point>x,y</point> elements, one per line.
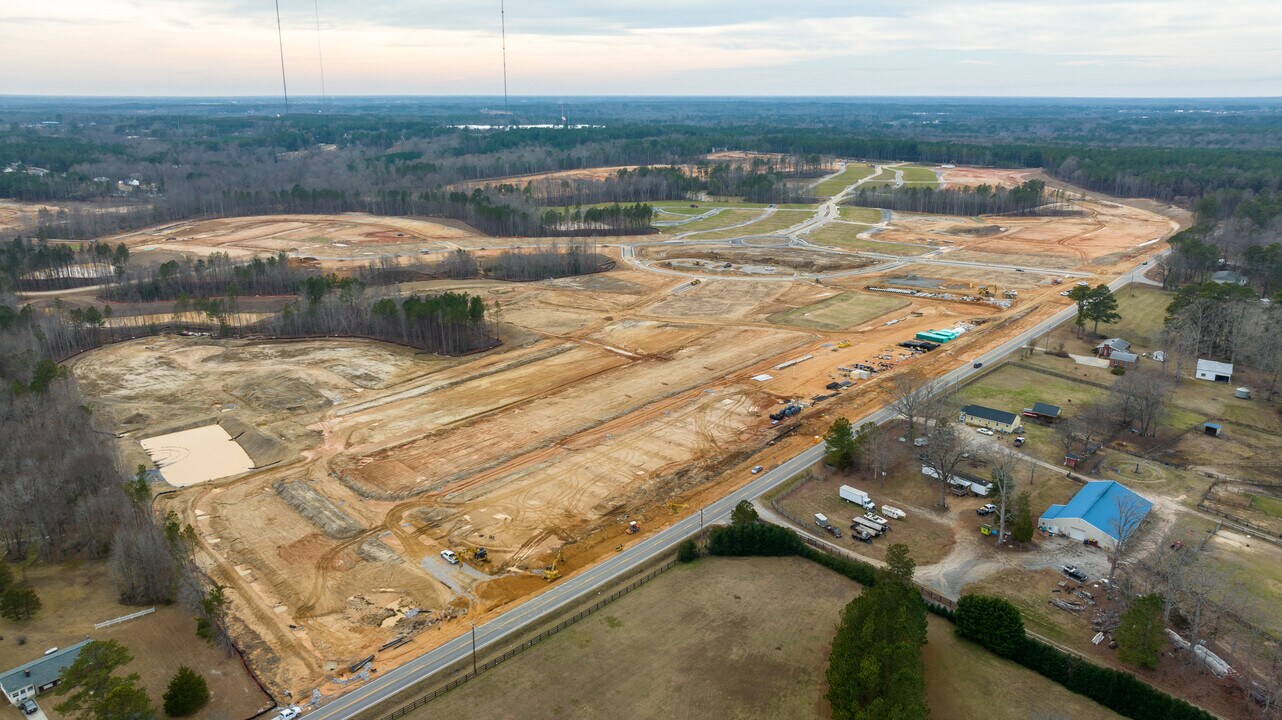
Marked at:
<point>39,675</point>
<point>1214,371</point>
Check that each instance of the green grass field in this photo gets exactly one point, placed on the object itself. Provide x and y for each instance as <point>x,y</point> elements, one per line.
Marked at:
<point>780,220</point>
<point>1143,313</point>
<point>844,235</point>
<point>919,176</point>
<point>839,312</point>
<point>853,173</point>
<point>1267,505</point>
<point>719,220</point>
<point>867,216</point>
<point>885,177</point>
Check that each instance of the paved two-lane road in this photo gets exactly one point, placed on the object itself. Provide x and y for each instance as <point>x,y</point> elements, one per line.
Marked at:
<point>585,582</point>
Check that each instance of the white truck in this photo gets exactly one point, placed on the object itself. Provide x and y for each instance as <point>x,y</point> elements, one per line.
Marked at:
<point>976,487</point>
<point>856,496</point>
<point>893,512</point>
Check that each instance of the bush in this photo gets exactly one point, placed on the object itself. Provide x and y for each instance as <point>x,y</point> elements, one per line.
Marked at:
<point>187,693</point>
<point>687,551</point>
<point>1118,371</point>
<point>860,572</point>
<point>1141,635</point>
<point>991,622</point>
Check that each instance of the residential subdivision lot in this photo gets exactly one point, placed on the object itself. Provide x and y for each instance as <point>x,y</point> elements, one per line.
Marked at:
<point>629,395</point>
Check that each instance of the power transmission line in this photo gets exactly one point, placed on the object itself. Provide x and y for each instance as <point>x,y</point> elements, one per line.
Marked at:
<point>503,35</point>
<point>280,39</point>
<point>320,54</point>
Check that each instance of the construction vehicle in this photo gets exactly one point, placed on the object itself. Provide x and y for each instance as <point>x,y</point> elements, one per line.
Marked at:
<point>481,555</point>
<point>551,573</point>
<point>633,528</point>
<point>675,507</point>
<point>843,344</point>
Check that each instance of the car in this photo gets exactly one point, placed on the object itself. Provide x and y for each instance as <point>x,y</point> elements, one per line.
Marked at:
<point>1073,572</point>
<point>1020,440</point>
<point>1144,263</point>
<point>833,530</point>
<point>984,431</point>
<point>756,469</point>
<point>450,556</point>
<point>1019,269</point>
<point>988,509</point>
<point>978,365</point>
<point>29,707</point>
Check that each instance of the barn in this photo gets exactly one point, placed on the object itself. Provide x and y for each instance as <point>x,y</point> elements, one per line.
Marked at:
<point>1096,513</point>
<point>1214,371</point>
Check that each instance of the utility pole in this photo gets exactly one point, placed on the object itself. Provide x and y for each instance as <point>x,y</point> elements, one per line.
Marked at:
<point>503,36</point>
<point>473,648</point>
<point>280,40</point>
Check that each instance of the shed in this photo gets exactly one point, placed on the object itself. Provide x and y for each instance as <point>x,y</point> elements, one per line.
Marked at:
<point>1228,277</point>
<point>1214,371</point>
<point>1096,512</point>
<point>1043,412</point>
<point>981,416</point>
<point>43,673</point>
<point>1212,428</point>
<point>1072,460</point>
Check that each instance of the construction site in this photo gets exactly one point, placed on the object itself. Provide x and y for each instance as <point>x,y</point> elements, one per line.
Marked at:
<point>387,498</point>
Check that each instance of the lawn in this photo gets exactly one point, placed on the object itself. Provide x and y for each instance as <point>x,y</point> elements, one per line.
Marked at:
<point>721,219</point>
<point>1143,312</point>
<point>1267,505</point>
<point>963,680</point>
<point>867,216</point>
<point>919,176</point>
<point>839,312</point>
<point>780,220</point>
<point>845,235</point>
<point>74,596</point>
<point>721,637</point>
<point>1012,388</point>
<point>853,173</point>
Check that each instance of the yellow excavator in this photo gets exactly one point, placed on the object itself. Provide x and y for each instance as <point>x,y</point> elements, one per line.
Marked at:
<point>675,507</point>
<point>552,573</point>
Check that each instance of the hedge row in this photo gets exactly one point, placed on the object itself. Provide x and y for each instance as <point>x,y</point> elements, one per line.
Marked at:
<point>774,541</point>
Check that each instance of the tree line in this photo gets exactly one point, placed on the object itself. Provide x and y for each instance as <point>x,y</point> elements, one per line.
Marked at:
<point>37,265</point>
<point>1030,197</point>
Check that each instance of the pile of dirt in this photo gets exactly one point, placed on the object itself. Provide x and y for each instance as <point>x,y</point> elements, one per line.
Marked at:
<point>271,391</point>
<point>262,448</point>
<point>317,509</point>
<point>797,258</point>
<point>375,550</point>
<point>981,231</point>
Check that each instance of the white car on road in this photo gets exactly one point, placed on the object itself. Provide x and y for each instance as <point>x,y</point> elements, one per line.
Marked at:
<point>985,431</point>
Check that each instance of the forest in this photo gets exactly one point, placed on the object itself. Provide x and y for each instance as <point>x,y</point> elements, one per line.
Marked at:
<point>1029,198</point>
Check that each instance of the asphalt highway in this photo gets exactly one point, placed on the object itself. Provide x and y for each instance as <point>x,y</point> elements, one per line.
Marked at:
<point>585,582</point>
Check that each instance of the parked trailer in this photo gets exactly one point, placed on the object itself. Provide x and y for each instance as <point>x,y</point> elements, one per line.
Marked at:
<point>857,496</point>
<point>881,522</point>
<point>973,486</point>
<point>861,534</point>
<point>867,525</point>
<point>893,512</point>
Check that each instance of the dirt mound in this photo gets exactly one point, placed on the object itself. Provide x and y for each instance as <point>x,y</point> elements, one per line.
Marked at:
<point>262,448</point>
<point>375,550</point>
<point>317,509</point>
<point>275,392</point>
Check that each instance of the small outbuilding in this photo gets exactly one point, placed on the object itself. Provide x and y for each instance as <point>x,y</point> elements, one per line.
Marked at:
<point>1104,511</point>
<point>39,675</point>
<point>1212,428</point>
<point>1243,393</point>
<point>1214,371</point>
<point>1044,412</point>
<point>1228,277</point>
<point>985,417</point>
<point>1073,460</point>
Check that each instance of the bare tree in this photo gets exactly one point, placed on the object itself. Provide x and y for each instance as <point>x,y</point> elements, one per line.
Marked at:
<point>912,393</point>
<point>944,453</point>
<point>1124,526</point>
<point>1140,396</point>
<point>1006,464</point>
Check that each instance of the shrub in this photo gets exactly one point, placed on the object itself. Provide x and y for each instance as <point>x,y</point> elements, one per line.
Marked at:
<point>687,551</point>
<point>743,514</point>
<point>187,693</point>
<point>765,540</point>
<point>991,622</point>
<point>1118,371</point>
<point>1141,634</point>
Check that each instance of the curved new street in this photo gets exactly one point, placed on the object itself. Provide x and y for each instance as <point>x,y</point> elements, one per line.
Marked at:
<point>591,580</point>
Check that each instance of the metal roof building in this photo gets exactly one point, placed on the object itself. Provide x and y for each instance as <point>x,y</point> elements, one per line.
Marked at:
<point>1093,514</point>
<point>1214,371</point>
<point>989,418</point>
<point>39,675</point>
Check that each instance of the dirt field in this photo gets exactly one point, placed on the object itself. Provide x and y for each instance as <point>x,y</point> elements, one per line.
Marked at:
<point>973,176</point>
<point>74,597</point>
<point>626,394</point>
<point>722,637</point>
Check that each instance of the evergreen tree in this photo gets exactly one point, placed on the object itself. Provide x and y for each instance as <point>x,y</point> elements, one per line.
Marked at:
<point>1141,634</point>
<point>95,693</point>
<point>1101,307</point>
<point>6,576</point>
<point>839,445</point>
<point>743,514</point>
<point>187,693</point>
<point>992,622</point>
<point>19,603</point>
<point>1021,530</point>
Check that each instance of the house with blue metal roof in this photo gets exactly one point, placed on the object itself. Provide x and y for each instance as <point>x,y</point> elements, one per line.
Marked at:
<point>39,675</point>
<point>1101,511</point>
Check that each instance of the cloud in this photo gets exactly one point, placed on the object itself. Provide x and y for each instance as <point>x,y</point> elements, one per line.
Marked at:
<point>193,47</point>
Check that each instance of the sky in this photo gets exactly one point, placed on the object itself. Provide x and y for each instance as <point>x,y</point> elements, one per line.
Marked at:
<point>1074,48</point>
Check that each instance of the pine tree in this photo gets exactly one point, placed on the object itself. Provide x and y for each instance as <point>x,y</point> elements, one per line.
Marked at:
<point>1141,634</point>
<point>839,444</point>
<point>187,693</point>
<point>1021,530</point>
<point>19,603</point>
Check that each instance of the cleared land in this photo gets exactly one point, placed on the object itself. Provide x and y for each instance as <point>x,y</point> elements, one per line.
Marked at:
<point>973,177</point>
<point>919,176</point>
<point>867,216</point>
<point>766,225</point>
<point>846,235</point>
<point>841,312</point>
<point>198,455</point>
<point>719,219</point>
<point>75,596</point>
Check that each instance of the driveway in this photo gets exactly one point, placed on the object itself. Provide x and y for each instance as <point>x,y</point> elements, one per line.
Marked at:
<point>39,714</point>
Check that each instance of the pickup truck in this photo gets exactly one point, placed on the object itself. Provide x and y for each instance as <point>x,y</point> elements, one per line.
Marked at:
<point>988,509</point>
<point>1073,572</point>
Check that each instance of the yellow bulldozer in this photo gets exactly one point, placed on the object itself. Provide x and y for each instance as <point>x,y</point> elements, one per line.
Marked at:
<point>551,573</point>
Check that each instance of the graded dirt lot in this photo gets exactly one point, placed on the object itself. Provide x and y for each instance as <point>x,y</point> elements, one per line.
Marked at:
<point>75,596</point>
<point>974,176</point>
<point>627,395</point>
